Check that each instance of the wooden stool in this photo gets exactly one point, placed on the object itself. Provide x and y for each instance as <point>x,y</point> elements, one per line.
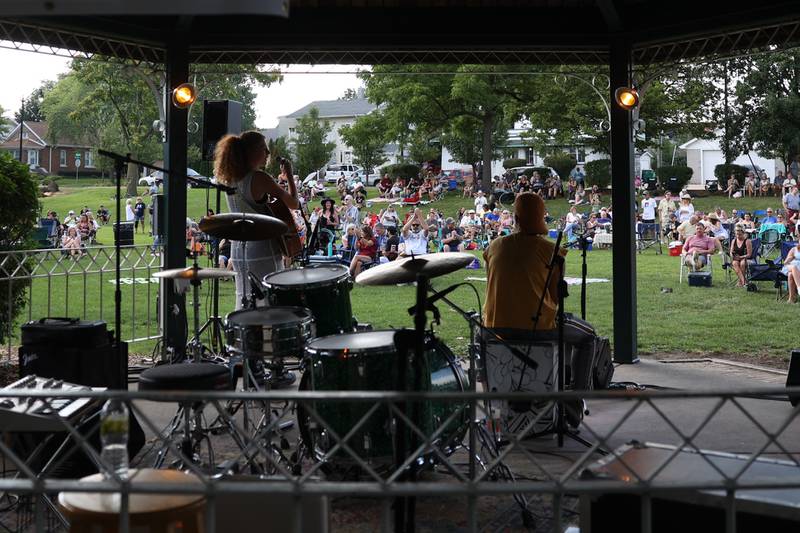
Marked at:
<point>93,512</point>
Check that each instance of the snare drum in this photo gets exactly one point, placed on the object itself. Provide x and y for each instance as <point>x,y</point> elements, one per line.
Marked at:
<point>324,289</point>
<point>368,361</point>
<point>269,332</point>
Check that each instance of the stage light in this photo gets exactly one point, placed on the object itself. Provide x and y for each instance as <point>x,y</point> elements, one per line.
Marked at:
<point>184,95</point>
<point>627,97</point>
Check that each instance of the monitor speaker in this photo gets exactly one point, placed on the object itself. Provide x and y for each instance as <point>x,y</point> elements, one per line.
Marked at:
<point>220,117</point>
<point>793,377</point>
<point>124,234</point>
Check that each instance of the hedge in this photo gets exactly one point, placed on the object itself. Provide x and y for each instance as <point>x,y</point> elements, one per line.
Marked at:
<point>684,174</point>
<point>562,163</point>
<point>723,172</point>
<point>515,162</point>
<point>598,172</point>
<point>406,171</point>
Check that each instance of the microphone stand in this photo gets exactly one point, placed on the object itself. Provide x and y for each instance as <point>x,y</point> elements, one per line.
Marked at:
<point>119,163</point>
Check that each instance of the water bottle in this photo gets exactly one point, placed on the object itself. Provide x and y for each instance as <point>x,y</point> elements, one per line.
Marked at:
<point>114,437</point>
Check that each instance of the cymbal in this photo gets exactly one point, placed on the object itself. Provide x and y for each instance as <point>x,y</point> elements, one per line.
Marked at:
<point>243,226</point>
<point>193,274</point>
<point>405,270</point>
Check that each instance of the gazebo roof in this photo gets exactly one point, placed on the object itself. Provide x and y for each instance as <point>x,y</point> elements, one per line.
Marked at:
<point>425,31</point>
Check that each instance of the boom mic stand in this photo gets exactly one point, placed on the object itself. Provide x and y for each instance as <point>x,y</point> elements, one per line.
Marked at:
<point>119,163</point>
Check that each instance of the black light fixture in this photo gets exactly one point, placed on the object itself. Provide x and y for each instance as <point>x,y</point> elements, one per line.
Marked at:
<point>184,95</point>
<point>627,97</point>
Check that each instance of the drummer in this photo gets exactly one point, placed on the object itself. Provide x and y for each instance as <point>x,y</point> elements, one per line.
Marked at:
<point>238,163</point>
<point>516,267</point>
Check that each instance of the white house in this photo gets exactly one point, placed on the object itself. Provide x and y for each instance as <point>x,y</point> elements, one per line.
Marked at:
<point>338,112</point>
<point>520,146</point>
<point>702,155</point>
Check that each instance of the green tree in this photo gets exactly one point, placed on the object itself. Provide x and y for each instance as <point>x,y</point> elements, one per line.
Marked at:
<point>5,123</point>
<point>427,104</point>
<point>19,211</point>
<point>32,104</point>
<point>367,137</point>
<point>277,148</point>
<point>463,138</point>
<point>311,148</point>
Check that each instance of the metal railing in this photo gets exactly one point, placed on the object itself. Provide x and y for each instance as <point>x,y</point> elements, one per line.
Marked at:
<point>59,284</point>
<point>535,473</point>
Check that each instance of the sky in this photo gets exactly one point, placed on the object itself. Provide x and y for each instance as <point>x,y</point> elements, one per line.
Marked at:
<point>302,84</point>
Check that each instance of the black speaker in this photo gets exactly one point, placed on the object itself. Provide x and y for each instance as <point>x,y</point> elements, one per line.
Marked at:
<point>158,215</point>
<point>124,234</point>
<point>220,117</point>
<point>793,377</point>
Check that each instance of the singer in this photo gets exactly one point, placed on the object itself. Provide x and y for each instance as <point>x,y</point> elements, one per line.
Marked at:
<point>238,163</point>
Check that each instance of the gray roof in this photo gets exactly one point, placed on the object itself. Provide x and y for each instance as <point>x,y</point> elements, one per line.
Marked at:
<point>270,133</point>
<point>337,108</point>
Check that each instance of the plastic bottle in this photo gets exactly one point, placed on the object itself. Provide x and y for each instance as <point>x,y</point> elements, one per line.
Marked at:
<point>114,437</point>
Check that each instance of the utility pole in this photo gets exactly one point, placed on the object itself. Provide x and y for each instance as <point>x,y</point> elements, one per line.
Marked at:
<point>21,126</point>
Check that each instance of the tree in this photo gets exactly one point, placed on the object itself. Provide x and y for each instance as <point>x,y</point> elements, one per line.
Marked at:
<point>311,148</point>
<point>32,104</point>
<point>277,148</point>
<point>427,104</point>
<point>19,212</point>
<point>367,137</point>
<point>349,94</point>
<point>464,140</point>
<point>115,106</point>
<point>766,105</point>
<point>5,123</point>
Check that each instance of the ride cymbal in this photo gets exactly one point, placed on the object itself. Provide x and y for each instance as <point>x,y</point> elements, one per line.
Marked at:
<point>405,270</point>
<point>243,226</point>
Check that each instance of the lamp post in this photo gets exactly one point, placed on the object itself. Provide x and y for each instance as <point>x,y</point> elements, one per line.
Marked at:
<point>21,126</point>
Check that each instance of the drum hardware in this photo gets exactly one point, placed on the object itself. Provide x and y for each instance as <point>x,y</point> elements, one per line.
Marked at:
<point>195,275</point>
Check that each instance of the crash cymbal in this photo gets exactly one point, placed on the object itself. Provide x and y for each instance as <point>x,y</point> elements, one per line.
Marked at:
<point>194,274</point>
<point>405,270</point>
<point>243,226</point>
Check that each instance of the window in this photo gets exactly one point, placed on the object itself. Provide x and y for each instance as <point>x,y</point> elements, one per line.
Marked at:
<point>530,156</point>
<point>15,154</point>
<point>24,134</point>
<point>62,158</point>
<point>89,159</point>
<point>33,157</point>
<point>580,154</point>
<point>291,131</point>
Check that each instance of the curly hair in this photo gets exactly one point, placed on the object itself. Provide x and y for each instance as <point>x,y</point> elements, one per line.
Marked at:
<point>231,155</point>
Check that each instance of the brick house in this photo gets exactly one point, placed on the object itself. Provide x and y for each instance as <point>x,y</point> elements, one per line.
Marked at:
<point>55,158</point>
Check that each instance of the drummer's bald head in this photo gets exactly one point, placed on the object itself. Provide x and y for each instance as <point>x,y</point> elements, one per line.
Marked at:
<point>529,213</point>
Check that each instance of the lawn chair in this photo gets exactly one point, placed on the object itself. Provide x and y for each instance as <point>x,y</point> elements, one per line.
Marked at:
<point>770,241</point>
<point>709,267</point>
<point>41,235</point>
<point>767,271</point>
<point>648,235</point>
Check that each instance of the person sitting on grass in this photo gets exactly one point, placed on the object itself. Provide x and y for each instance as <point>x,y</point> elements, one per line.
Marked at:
<point>750,184</point>
<point>791,269</point>
<point>453,240</point>
<point>765,184</point>
<point>698,248</point>
<point>741,251</point>
<point>71,242</point>
<point>85,228</point>
<point>102,214</point>
<point>366,249</point>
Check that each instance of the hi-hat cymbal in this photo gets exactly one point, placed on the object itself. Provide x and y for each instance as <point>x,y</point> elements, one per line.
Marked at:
<point>243,226</point>
<point>194,274</point>
<point>405,270</point>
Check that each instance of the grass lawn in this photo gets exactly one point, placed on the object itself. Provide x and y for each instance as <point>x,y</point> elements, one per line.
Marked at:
<point>719,320</point>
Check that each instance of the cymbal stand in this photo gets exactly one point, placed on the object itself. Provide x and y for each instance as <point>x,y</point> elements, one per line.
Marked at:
<point>217,347</point>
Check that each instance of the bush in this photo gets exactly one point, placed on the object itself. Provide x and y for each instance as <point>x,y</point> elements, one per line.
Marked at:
<point>514,162</point>
<point>684,174</point>
<point>562,163</point>
<point>723,172</point>
<point>598,172</point>
<point>402,170</point>
<point>50,185</point>
<point>19,211</point>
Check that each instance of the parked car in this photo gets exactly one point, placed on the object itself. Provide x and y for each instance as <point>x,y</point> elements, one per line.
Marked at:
<point>156,177</point>
<point>516,171</point>
<point>333,172</point>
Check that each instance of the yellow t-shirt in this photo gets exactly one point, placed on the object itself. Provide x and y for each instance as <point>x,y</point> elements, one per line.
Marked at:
<point>516,267</point>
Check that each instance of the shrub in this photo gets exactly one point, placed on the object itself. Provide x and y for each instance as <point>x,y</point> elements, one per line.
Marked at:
<point>514,162</point>
<point>598,172</point>
<point>19,211</point>
<point>402,170</point>
<point>562,163</point>
<point>684,174</point>
<point>723,172</point>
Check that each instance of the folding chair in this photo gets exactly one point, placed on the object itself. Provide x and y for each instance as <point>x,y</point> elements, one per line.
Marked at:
<point>767,271</point>
<point>647,235</point>
<point>770,241</point>
<point>684,272</point>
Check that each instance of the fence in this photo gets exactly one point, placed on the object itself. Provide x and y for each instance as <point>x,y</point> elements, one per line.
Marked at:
<point>60,285</point>
<point>532,473</point>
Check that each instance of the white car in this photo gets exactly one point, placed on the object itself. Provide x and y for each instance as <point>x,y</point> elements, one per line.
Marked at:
<point>334,172</point>
<point>158,178</point>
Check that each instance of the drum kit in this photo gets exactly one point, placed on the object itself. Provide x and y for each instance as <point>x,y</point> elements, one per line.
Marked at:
<point>309,326</point>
